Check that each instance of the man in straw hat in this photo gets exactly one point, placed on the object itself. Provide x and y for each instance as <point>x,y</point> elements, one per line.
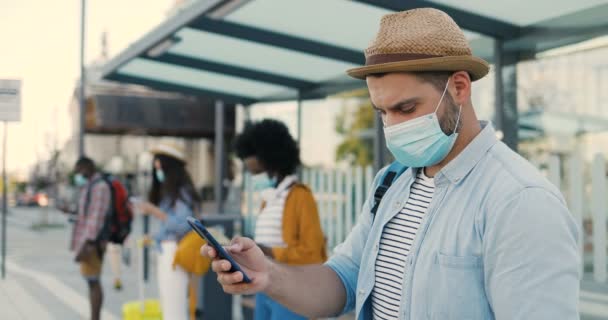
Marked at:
<point>469,231</point>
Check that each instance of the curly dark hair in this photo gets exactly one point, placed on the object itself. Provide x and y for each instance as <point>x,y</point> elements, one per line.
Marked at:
<point>270,142</point>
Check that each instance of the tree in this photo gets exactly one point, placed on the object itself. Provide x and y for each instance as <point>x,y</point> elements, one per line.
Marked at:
<point>356,128</point>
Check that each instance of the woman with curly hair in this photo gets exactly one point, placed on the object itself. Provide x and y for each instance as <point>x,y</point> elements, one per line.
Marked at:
<point>288,227</point>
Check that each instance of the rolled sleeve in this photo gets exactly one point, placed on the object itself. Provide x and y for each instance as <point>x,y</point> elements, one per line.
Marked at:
<point>347,270</point>
<point>531,258</point>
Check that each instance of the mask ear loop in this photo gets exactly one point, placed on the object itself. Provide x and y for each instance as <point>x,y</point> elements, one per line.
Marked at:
<point>458,119</point>
<point>442,95</point>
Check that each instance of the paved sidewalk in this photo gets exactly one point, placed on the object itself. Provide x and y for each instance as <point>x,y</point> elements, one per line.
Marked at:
<point>43,282</point>
<point>16,303</point>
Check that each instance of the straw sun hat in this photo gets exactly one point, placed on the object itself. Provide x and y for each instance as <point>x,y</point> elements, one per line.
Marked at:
<point>171,150</point>
<point>420,40</point>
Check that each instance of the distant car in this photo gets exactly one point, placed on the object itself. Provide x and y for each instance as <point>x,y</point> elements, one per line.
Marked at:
<point>26,200</point>
<point>38,199</point>
<point>42,199</point>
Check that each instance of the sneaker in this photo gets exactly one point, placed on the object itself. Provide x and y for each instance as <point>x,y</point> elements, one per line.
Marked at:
<point>117,285</point>
<point>126,256</point>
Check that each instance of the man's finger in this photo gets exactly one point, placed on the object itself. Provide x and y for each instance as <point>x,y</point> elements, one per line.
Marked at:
<point>239,244</point>
<point>208,251</point>
<point>220,265</point>
<point>226,278</point>
<point>238,288</point>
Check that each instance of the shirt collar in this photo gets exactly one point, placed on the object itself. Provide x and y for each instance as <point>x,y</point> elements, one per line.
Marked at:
<point>468,158</point>
<point>287,182</point>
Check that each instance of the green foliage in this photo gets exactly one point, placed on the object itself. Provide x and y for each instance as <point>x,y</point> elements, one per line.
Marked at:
<point>356,147</point>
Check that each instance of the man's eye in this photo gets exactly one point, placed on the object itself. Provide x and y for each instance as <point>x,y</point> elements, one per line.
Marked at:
<point>408,110</point>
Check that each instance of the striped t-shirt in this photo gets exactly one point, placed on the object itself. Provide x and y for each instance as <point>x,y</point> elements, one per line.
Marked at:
<point>395,243</point>
<point>269,223</point>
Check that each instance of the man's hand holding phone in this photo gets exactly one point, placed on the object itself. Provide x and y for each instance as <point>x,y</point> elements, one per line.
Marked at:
<point>252,261</point>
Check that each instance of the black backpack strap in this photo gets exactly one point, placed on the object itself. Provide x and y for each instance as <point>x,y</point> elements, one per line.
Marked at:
<point>105,231</point>
<point>392,173</point>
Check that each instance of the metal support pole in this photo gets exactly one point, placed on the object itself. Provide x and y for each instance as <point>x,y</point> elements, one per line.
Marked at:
<point>510,120</point>
<point>83,81</point>
<point>299,129</point>
<point>498,85</point>
<point>146,223</point>
<point>219,155</point>
<point>4,201</point>
<point>146,249</point>
<point>299,119</point>
<point>505,105</point>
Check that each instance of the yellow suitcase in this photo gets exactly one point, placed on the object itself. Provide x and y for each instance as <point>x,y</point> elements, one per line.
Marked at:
<point>134,311</point>
<point>142,309</point>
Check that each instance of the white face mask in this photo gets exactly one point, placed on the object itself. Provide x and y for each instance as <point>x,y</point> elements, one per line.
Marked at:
<point>80,180</point>
<point>263,181</point>
<point>420,142</point>
<point>160,175</point>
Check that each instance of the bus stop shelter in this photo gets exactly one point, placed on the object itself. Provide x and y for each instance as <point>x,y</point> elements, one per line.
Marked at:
<point>251,51</point>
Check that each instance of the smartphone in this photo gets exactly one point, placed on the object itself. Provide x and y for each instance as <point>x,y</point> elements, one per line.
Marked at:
<point>204,233</point>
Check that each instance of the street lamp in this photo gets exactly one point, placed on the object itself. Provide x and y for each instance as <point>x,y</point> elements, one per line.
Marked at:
<point>82,98</point>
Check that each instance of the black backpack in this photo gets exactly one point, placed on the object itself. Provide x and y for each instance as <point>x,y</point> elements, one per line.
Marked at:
<point>390,175</point>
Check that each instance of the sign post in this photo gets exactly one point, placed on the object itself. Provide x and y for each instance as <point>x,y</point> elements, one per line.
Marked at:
<point>10,110</point>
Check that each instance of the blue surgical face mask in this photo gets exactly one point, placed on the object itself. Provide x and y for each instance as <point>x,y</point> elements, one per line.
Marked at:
<point>160,175</point>
<point>420,142</point>
<point>80,180</point>
<point>263,181</point>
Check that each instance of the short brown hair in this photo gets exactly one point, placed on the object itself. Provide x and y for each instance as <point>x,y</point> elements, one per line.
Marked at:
<point>438,79</point>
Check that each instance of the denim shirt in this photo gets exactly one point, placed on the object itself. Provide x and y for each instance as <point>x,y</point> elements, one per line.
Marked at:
<point>497,242</point>
<point>176,225</point>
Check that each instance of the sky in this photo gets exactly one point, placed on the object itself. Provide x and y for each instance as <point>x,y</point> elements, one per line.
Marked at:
<point>40,45</point>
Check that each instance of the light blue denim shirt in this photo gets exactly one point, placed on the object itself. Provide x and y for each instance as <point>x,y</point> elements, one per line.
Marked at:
<point>176,225</point>
<point>497,242</point>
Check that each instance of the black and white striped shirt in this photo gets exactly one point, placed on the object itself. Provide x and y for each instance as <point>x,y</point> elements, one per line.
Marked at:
<point>395,242</point>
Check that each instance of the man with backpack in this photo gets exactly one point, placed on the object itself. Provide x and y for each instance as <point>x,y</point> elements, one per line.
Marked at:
<point>102,216</point>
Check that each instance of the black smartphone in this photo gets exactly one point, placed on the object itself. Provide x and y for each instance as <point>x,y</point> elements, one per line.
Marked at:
<point>204,233</point>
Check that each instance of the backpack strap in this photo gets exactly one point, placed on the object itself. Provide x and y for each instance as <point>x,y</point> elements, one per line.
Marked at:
<point>390,175</point>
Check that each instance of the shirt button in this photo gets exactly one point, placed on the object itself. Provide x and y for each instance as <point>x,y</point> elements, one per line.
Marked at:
<point>376,247</point>
<point>397,205</point>
<point>361,292</point>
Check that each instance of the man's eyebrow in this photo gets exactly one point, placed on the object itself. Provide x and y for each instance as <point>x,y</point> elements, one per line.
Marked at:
<point>399,104</point>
